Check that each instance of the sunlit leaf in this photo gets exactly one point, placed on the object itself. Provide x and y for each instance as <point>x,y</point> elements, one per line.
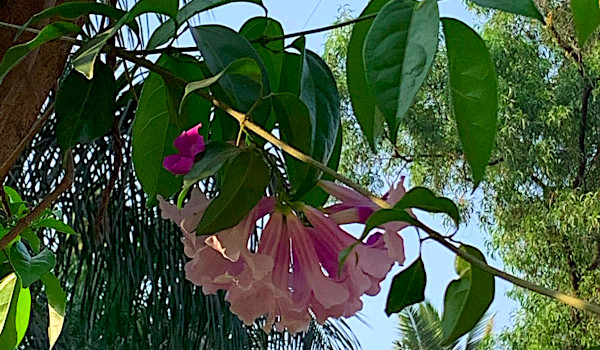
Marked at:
<point>57,302</point>
<point>398,54</point>
<point>85,108</point>
<point>158,122</point>
<point>245,181</point>
<point>7,288</point>
<point>17,53</point>
<point>30,268</point>
<point>17,319</point>
<point>474,92</point>
<point>363,102</point>
<point>586,14</point>
<point>519,7</point>
<point>408,287</point>
<point>467,298</point>
<point>168,29</point>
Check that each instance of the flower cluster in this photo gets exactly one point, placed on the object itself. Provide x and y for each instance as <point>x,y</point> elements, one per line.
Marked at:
<point>294,275</point>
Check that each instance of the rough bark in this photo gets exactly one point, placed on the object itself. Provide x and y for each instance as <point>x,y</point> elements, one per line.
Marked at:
<point>25,89</point>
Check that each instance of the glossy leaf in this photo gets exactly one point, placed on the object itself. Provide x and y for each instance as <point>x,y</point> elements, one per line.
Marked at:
<point>55,224</point>
<point>272,52</point>
<point>295,128</point>
<point>57,303</point>
<point>7,288</point>
<point>75,9</point>
<point>398,54</point>
<point>220,46</point>
<point>34,241</point>
<point>158,122</point>
<point>245,67</point>
<point>15,202</point>
<point>519,7</point>
<point>215,155</point>
<point>467,298</point>
<point>586,14</point>
<point>85,108</point>
<point>474,92</point>
<point>86,56</point>
<point>422,198</point>
<point>364,105</point>
<point>408,287</point>
<point>168,29</point>
<point>245,181</point>
<point>17,53</point>
<point>30,268</point>
<point>17,320</point>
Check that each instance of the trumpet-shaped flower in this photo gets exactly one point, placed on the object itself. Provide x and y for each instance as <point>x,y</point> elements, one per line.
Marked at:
<point>293,275</point>
<point>356,208</point>
<point>189,144</point>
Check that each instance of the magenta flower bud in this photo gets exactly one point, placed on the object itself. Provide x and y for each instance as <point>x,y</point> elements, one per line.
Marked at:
<point>189,144</point>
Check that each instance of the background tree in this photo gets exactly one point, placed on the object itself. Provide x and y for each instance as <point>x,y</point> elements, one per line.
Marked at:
<point>539,202</point>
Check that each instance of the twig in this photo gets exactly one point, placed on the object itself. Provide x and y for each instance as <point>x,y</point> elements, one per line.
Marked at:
<point>35,128</point>
<point>64,185</point>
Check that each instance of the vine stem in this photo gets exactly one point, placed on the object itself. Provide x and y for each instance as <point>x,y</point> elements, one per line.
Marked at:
<point>249,125</point>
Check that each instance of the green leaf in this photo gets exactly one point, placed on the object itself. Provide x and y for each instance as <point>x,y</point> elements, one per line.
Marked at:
<point>85,108</point>
<point>158,122</point>
<point>15,202</point>
<point>55,224</point>
<point>220,46</point>
<point>519,7</point>
<point>30,268</point>
<point>75,9</point>
<point>33,239</point>
<point>215,155</point>
<point>7,288</point>
<point>398,54</point>
<point>51,32</point>
<point>474,92</point>
<point>424,199</point>
<point>586,14</point>
<point>57,302</point>
<point>383,216</point>
<point>244,185</point>
<point>361,95</point>
<point>168,29</point>
<point>86,56</point>
<point>408,287</point>
<point>467,298</point>
<point>17,320</point>
<point>295,129</point>
<point>245,67</point>
<point>272,52</point>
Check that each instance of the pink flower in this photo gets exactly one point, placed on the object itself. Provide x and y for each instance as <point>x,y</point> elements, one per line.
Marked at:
<point>293,276</point>
<point>356,208</point>
<point>189,144</point>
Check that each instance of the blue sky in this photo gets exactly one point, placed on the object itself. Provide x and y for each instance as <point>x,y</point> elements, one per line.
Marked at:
<point>381,330</point>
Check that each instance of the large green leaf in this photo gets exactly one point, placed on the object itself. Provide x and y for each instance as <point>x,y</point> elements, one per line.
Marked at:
<point>168,29</point>
<point>30,268</point>
<point>86,56</point>
<point>363,102</point>
<point>17,320</point>
<point>474,92</point>
<point>7,288</point>
<point>422,198</point>
<point>408,287</point>
<point>75,9</point>
<point>295,129</point>
<point>158,122</point>
<point>398,53</point>
<point>272,52</point>
<point>85,108</point>
<point>57,302</point>
<point>215,155</point>
<point>246,179</point>
<point>17,53</point>
<point>220,46</point>
<point>519,7</point>
<point>467,298</point>
<point>55,224</point>
<point>586,14</point>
